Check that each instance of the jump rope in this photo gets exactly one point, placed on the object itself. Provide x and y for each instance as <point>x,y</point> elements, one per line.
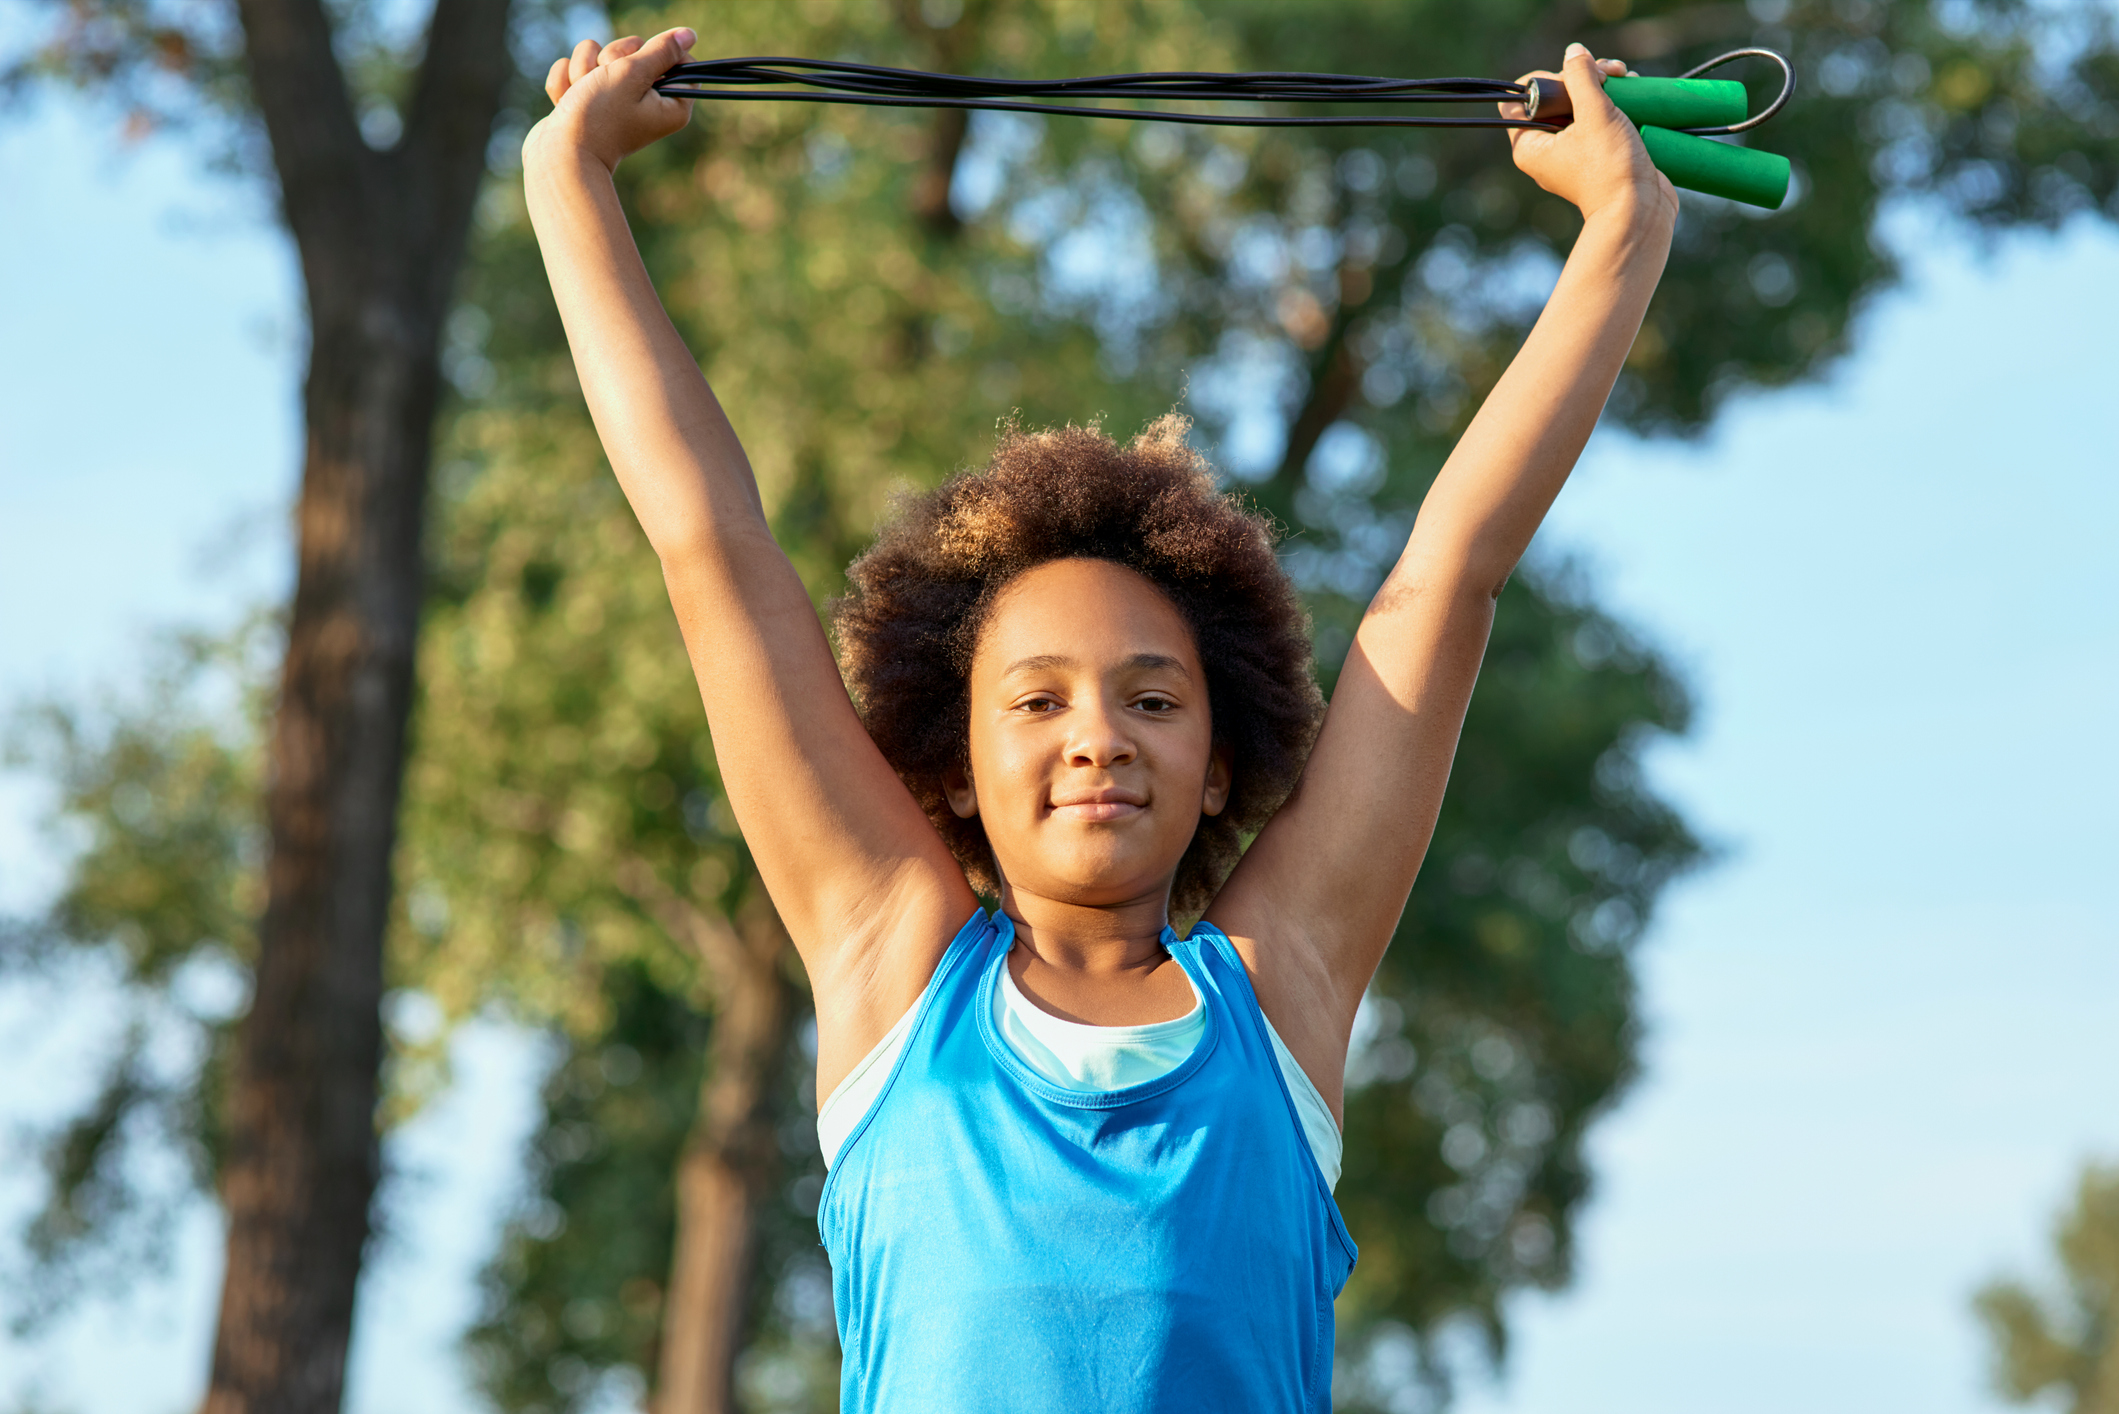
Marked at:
<point>1678,117</point>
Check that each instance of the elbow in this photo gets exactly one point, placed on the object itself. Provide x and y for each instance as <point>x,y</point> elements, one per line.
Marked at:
<point>686,529</point>
<point>1485,564</point>
<point>1469,573</point>
<point>700,544</point>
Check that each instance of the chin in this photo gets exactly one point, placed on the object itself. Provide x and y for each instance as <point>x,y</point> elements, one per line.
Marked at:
<point>1101,884</point>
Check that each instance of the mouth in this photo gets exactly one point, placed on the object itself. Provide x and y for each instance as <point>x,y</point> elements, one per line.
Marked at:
<point>1099,807</point>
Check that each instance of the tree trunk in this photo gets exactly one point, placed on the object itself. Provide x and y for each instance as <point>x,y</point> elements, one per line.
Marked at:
<point>303,1162</point>
<point>730,1167</point>
<point>381,236</point>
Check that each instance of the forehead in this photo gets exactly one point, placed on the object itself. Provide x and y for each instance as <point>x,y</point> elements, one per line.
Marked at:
<point>1087,610</point>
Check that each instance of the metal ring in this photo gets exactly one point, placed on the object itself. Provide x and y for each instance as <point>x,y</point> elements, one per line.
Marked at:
<point>1787,89</point>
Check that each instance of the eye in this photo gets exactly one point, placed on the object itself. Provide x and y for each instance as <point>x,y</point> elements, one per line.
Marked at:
<point>1160,706</point>
<point>1038,706</point>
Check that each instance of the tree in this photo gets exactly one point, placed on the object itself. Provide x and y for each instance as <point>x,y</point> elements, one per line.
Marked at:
<point>2067,1344</point>
<point>381,229</point>
<point>1338,304</point>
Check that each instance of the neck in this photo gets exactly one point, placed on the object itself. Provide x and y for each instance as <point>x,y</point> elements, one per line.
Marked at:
<point>1092,938</point>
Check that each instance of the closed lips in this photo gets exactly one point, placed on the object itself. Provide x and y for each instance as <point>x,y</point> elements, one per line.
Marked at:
<point>1099,805</point>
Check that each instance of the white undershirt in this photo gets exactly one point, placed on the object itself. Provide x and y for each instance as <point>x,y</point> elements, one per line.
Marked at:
<point>1074,1056</point>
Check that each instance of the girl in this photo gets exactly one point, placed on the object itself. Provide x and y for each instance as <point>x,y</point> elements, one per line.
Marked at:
<point>1079,1162</point>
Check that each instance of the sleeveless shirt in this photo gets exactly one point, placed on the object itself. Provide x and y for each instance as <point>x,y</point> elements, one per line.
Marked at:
<point>1078,1057</point>
<point>1000,1243</point>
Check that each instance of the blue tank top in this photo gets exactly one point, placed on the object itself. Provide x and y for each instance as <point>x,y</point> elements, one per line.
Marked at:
<point>999,1243</point>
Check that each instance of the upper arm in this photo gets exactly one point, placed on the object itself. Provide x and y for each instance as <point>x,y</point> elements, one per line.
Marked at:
<point>1314,901</point>
<point>865,885</point>
<point>1316,898</point>
<point>867,889</point>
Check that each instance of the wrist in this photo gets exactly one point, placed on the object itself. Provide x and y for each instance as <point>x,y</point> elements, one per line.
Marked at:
<point>558,150</point>
<point>1638,216</point>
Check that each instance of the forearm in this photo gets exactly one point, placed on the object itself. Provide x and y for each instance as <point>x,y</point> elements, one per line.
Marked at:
<point>1492,493</point>
<point>672,448</point>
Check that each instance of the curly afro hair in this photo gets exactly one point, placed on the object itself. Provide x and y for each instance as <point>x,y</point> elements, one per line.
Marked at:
<point>918,597</point>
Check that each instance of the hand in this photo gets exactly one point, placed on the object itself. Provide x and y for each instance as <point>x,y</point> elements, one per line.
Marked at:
<point>1596,161</point>
<point>603,100</point>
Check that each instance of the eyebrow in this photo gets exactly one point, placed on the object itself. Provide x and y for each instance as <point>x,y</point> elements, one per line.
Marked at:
<point>1043,662</point>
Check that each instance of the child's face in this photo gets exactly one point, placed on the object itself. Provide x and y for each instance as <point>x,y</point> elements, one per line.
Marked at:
<point>1092,748</point>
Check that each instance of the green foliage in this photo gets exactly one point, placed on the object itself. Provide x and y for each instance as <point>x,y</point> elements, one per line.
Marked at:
<point>576,1292</point>
<point>1331,307</point>
<point>564,789</point>
<point>574,1299</point>
<point>2066,1345</point>
<point>563,779</point>
<point>159,792</point>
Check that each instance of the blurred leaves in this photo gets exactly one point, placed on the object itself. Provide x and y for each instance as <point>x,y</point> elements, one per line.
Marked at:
<point>158,792</point>
<point>575,1296</point>
<point>2063,1349</point>
<point>1330,306</point>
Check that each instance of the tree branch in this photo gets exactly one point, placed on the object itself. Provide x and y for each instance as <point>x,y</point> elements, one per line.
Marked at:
<point>450,120</point>
<point>952,48</point>
<point>718,943</point>
<point>1335,378</point>
<point>323,165</point>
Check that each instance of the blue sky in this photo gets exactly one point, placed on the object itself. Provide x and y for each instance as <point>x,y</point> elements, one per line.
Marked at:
<point>1883,1029</point>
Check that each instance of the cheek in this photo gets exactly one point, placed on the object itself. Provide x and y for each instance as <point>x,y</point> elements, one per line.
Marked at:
<point>1186,756</point>
<point>1008,767</point>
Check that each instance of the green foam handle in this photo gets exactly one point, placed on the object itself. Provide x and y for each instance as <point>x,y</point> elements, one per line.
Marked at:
<point>1679,103</point>
<point>1718,168</point>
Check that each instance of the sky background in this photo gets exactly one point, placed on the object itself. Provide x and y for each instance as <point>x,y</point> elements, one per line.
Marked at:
<point>1883,1027</point>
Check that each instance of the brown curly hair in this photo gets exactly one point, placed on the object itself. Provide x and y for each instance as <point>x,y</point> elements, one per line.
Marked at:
<point>919,596</point>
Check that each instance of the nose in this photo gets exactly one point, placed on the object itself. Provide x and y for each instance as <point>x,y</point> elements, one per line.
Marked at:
<point>1099,737</point>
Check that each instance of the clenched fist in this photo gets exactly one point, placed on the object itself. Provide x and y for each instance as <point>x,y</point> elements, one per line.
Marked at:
<point>603,99</point>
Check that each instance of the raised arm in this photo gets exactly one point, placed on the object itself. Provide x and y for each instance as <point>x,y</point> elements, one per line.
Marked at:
<point>865,886</point>
<point>1317,897</point>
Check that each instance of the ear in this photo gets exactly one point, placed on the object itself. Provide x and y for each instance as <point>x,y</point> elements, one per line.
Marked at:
<point>1219,778</point>
<point>962,795</point>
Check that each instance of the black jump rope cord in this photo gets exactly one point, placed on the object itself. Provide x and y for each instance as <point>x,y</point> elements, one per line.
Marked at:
<point>869,85</point>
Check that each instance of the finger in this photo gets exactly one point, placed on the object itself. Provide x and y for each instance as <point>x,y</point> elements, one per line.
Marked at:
<point>556,81</point>
<point>667,48</point>
<point>1536,138</point>
<point>619,48</point>
<point>583,60</point>
<point>653,59</point>
<point>1585,86</point>
<point>1612,68</point>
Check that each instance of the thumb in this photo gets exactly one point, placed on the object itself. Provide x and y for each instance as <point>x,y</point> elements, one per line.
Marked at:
<point>672,46</point>
<point>1585,85</point>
